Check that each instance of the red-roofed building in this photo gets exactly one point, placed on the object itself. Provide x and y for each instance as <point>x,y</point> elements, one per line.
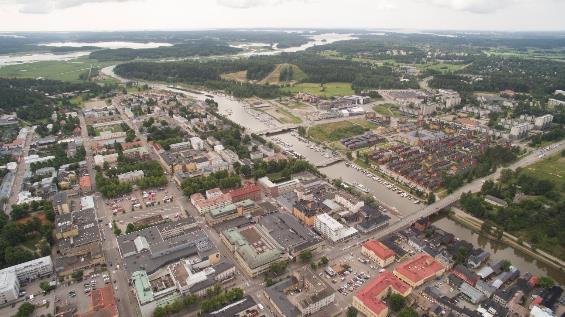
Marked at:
<point>85,184</point>
<point>369,299</point>
<point>102,303</point>
<point>248,191</point>
<point>419,269</point>
<point>131,145</point>
<point>378,252</point>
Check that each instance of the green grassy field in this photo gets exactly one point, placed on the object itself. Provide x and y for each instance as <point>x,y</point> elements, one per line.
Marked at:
<point>57,70</point>
<point>326,91</point>
<point>441,67</point>
<point>387,110</point>
<point>336,131</point>
<point>551,169</point>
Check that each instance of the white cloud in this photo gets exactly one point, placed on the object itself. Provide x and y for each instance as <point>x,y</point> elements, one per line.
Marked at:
<point>246,4</point>
<point>474,6</point>
<point>47,6</point>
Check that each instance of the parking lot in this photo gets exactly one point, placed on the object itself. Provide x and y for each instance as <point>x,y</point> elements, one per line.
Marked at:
<point>142,205</point>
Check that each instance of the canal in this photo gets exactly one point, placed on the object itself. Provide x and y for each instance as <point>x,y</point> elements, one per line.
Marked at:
<point>500,251</point>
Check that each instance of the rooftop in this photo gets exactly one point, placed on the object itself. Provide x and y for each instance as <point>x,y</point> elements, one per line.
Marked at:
<point>381,250</point>
<point>289,232</point>
<point>420,267</point>
<point>378,288</point>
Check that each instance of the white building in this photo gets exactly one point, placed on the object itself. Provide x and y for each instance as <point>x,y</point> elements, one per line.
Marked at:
<point>349,201</point>
<point>555,102</point>
<point>543,121</point>
<point>86,202</point>
<point>34,158</point>
<point>520,130</point>
<point>12,277</point>
<point>131,176</point>
<point>331,229</point>
<point>541,312</point>
<point>450,98</point>
<point>197,143</point>
<point>9,286</point>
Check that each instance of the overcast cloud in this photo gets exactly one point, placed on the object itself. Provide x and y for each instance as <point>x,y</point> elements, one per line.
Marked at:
<point>59,15</point>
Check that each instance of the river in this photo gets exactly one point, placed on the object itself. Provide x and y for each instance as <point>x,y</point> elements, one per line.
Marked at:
<point>500,251</point>
<point>254,121</point>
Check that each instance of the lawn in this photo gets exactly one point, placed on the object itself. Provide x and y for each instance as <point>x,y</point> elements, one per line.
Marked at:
<point>551,169</point>
<point>325,91</point>
<point>387,109</point>
<point>444,68</point>
<point>57,70</point>
<point>338,130</point>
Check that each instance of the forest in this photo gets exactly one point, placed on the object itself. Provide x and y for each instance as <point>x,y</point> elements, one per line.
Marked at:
<point>318,69</point>
<point>192,48</point>
<point>28,97</point>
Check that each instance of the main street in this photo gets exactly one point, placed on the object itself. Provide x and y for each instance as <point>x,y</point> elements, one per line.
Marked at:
<point>126,301</point>
<point>20,171</point>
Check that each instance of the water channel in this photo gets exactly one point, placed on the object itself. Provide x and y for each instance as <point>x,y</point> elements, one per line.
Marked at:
<point>500,251</point>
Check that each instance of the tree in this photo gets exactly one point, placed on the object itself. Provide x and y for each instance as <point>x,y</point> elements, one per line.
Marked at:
<point>546,282</point>
<point>26,309</point>
<point>352,311</point>
<point>77,275</point>
<point>324,261</point>
<point>278,267</point>
<point>431,198</point>
<point>306,256</point>
<point>407,312</point>
<point>486,227</point>
<point>396,302</point>
<point>505,265</point>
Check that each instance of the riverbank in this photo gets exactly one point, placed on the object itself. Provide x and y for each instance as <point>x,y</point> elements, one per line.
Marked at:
<point>475,224</point>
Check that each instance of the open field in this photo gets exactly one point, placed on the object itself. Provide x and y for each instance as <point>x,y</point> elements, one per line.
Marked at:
<point>282,115</point>
<point>441,67</point>
<point>326,91</point>
<point>275,76</point>
<point>551,169</point>
<point>336,131</point>
<point>237,76</point>
<point>57,70</point>
<point>387,109</point>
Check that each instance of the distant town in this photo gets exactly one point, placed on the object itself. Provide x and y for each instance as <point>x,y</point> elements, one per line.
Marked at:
<point>151,199</point>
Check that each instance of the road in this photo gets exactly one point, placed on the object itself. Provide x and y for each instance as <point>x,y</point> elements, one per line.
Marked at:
<point>475,186</point>
<point>20,172</point>
<point>251,286</point>
<point>126,301</point>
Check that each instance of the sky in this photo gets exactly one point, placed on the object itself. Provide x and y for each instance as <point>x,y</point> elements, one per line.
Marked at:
<point>113,15</point>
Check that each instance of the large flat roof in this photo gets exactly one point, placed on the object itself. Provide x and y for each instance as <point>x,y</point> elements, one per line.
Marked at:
<point>378,288</point>
<point>380,250</point>
<point>420,267</point>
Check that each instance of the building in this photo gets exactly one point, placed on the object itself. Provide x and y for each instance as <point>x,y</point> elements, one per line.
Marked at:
<point>102,303</point>
<point>520,130</point>
<point>85,184</point>
<point>369,299</point>
<point>131,177</point>
<point>87,202</point>
<point>543,122</point>
<point>419,269</point>
<point>197,143</point>
<point>246,307</point>
<point>290,233</point>
<point>378,252</point>
<point>349,201</point>
<point>109,138</point>
<point>332,229</point>
<point>60,203</point>
<point>154,247</point>
<point>249,190</point>
<point>99,160</point>
<point>254,249</point>
<point>210,202</point>
<point>306,211</point>
<point>78,237</point>
<point>315,294</point>
<point>231,211</point>
<point>495,201</point>
<point>465,274</point>
<point>13,277</point>
<point>276,189</point>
